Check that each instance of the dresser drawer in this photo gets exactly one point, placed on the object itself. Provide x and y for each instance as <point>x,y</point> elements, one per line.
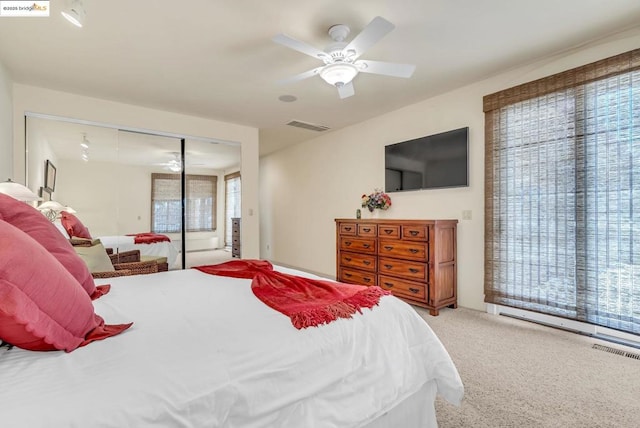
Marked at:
<point>348,229</point>
<point>353,276</point>
<point>389,231</point>
<point>358,244</point>
<point>415,233</point>
<point>368,229</point>
<point>403,288</point>
<point>406,269</point>
<point>417,251</point>
<point>358,261</point>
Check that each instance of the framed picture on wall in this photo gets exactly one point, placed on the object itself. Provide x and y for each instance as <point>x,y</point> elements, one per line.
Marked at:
<point>50,176</point>
<point>45,194</point>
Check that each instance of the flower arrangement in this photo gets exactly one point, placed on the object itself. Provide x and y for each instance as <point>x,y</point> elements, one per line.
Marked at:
<point>378,199</point>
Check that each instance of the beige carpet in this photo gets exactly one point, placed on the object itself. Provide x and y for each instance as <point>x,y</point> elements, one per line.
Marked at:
<point>207,257</point>
<point>521,374</point>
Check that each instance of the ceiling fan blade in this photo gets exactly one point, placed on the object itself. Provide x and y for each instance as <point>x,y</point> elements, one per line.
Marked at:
<point>369,36</point>
<point>385,68</point>
<point>301,76</point>
<point>346,91</point>
<point>299,46</point>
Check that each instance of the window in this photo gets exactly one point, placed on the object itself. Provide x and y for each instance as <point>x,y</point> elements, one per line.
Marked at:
<point>232,186</point>
<point>166,211</point>
<point>563,194</point>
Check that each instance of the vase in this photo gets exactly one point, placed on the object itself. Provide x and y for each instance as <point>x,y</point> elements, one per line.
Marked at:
<point>374,214</point>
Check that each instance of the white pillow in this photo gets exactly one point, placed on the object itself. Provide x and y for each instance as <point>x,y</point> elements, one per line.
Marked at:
<point>61,228</point>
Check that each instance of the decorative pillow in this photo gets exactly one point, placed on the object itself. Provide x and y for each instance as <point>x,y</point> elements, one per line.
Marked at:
<point>74,226</point>
<point>42,306</point>
<point>96,257</point>
<point>33,223</point>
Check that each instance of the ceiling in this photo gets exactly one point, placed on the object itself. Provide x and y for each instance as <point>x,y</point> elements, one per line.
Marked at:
<point>215,59</point>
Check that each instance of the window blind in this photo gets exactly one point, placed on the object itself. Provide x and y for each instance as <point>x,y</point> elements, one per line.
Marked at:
<point>562,194</point>
<point>201,194</point>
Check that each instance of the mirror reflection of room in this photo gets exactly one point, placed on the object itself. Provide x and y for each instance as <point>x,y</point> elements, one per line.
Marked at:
<point>124,187</point>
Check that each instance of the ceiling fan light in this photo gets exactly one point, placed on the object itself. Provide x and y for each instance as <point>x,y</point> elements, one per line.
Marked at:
<point>75,13</point>
<point>338,74</point>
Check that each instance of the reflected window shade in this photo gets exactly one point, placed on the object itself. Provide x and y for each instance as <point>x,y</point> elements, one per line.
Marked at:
<point>563,195</point>
<point>166,208</point>
<point>232,203</point>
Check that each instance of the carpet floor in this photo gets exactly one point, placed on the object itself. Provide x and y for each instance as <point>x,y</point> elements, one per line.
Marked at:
<point>521,374</point>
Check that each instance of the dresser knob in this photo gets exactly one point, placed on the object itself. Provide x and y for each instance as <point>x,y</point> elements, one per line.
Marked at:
<point>348,275</point>
<point>388,247</point>
<point>388,284</point>
<point>388,231</point>
<point>414,290</point>
<point>413,232</point>
<point>366,245</point>
<point>389,266</point>
<point>348,229</point>
<point>366,262</point>
<point>413,270</point>
<point>366,229</point>
<point>347,243</point>
<point>348,259</point>
<point>366,279</point>
<point>413,250</point>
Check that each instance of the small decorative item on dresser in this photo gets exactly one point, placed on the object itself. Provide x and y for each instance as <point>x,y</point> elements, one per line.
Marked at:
<point>358,213</point>
<point>377,200</point>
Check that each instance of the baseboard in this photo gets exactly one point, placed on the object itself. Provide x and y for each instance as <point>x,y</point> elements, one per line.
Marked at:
<point>595,331</point>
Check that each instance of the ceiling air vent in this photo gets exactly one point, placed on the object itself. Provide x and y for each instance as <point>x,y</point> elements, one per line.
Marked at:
<point>309,126</point>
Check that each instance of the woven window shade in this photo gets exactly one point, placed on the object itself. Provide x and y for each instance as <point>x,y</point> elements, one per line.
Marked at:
<point>166,207</point>
<point>562,194</point>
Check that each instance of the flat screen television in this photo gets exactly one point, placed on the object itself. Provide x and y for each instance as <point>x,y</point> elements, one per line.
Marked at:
<point>431,162</point>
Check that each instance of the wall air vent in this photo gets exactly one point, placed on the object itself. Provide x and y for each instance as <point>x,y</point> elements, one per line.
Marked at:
<point>309,126</point>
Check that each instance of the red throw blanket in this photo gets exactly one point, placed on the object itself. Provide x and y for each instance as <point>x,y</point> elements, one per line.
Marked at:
<point>308,302</point>
<point>148,238</point>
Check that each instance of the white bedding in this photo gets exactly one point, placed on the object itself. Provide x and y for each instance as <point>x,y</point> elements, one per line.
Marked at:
<point>205,352</point>
<point>127,243</point>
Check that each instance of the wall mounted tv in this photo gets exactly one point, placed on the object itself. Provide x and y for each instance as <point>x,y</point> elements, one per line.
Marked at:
<point>431,162</point>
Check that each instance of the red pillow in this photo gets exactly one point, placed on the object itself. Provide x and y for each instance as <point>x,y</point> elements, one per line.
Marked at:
<point>42,306</point>
<point>74,226</point>
<point>33,223</point>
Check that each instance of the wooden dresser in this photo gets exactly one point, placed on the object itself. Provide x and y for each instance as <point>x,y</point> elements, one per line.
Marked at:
<point>414,259</point>
<point>235,237</point>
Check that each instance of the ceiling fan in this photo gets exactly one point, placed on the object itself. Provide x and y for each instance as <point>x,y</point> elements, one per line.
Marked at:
<point>341,63</point>
<point>175,164</point>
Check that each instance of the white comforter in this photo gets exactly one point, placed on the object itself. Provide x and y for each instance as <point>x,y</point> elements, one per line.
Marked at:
<point>157,249</point>
<point>205,352</point>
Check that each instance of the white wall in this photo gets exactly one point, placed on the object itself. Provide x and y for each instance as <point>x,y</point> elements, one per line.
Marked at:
<point>304,188</point>
<point>62,104</point>
<point>6,127</point>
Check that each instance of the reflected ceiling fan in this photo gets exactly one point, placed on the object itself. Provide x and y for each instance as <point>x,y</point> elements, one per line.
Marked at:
<point>174,164</point>
<point>341,63</point>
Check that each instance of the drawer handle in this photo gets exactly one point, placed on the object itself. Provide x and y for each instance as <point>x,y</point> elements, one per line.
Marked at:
<point>348,229</point>
<point>366,245</point>
<point>414,290</point>
<point>413,250</point>
<point>413,270</point>
<point>389,284</point>
<point>388,231</point>
<point>389,266</point>
<point>347,243</point>
<point>365,279</point>
<point>366,262</point>
<point>366,229</point>
<point>348,259</point>
<point>413,232</point>
<point>348,275</point>
<point>388,247</point>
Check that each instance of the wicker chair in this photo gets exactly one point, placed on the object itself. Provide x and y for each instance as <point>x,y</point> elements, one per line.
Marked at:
<point>127,263</point>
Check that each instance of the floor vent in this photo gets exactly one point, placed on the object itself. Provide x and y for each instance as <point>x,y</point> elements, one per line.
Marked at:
<point>617,351</point>
<point>309,126</point>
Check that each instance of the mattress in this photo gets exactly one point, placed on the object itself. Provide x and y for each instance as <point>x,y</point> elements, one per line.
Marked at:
<point>205,352</point>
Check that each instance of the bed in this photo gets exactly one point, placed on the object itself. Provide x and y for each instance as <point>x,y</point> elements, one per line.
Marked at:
<point>121,243</point>
<point>205,352</point>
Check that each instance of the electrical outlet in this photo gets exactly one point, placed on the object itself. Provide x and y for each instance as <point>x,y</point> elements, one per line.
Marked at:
<point>466,215</point>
